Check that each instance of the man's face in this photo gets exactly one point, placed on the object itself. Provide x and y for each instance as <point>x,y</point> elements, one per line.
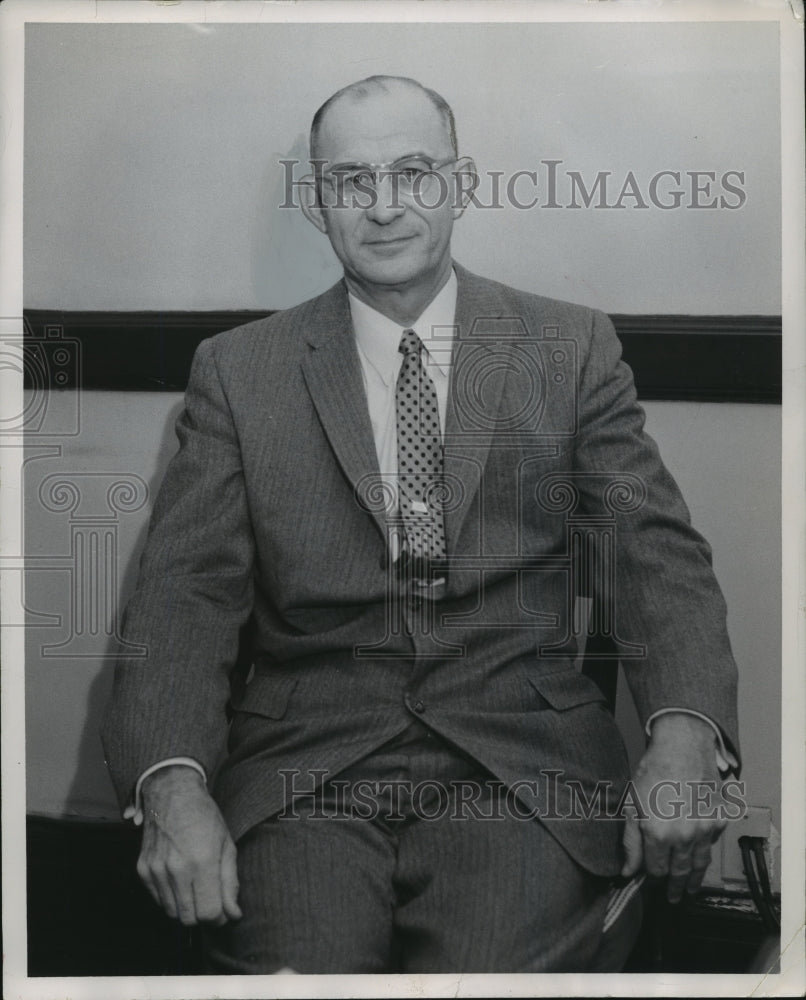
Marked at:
<point>396,242</point>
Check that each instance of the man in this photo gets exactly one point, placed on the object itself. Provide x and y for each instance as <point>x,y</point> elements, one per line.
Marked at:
<point>380,482</point>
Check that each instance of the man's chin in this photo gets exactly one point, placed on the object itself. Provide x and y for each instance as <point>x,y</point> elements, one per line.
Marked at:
<point>402,269</point>
<point>391,273</point>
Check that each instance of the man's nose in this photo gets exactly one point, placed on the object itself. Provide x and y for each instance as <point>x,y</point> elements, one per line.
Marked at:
<point>386,203</point>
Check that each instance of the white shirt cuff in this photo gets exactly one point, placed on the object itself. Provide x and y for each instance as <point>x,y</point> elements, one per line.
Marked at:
<point>725,760</point>
<point>134,810</point>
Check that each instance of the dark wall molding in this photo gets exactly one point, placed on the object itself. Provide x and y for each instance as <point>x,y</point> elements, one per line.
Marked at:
<point>89,914</point>
<point>697,358</point>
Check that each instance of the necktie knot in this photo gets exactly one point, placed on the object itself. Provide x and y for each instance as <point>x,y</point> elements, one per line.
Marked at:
<point>410,343</point>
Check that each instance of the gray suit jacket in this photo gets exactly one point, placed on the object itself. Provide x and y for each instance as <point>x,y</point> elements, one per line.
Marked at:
<point>271,512</point>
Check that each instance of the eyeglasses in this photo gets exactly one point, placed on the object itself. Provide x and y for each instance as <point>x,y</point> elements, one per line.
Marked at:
<point>409,175</point>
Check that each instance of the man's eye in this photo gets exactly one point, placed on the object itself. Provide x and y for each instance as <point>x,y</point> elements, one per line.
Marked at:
<point>362,178</point>
<point>410,174</point>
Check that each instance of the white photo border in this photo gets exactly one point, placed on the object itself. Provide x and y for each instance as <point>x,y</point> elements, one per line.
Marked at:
<point>13,16</point>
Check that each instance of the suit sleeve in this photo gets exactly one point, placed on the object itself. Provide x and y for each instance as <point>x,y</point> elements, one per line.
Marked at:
<point>666,597</point>
<point>194,593</point>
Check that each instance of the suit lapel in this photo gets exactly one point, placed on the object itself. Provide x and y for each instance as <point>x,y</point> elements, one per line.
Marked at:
<point>474,400</point>
<point>332,373</point>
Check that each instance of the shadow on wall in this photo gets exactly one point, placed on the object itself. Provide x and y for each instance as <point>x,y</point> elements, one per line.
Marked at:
<point>90,750</point>
<point>291,261</point>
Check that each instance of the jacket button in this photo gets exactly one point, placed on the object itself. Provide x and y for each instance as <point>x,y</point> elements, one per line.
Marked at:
<point>418,707</point>
<point>416,603</point>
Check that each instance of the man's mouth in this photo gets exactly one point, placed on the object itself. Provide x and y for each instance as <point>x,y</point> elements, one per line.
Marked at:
<point>394,241</point>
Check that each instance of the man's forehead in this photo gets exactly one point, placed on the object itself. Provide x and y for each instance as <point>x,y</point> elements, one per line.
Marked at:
<point>383,127</point>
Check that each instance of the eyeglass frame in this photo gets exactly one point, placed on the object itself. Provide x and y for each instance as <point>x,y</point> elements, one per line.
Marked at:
<point>378,171</point>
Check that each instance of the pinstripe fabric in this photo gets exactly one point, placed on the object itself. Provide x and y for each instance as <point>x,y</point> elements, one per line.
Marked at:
<point>405,893</point>
<point>267,514</point>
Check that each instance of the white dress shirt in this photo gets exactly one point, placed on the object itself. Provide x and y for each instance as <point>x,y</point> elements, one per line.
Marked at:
<point>378,340</point>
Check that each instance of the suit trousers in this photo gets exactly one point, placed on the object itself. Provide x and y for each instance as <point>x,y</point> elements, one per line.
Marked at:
<point>415,859</point>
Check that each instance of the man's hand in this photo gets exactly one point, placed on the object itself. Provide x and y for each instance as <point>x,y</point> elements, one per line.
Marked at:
<point>676,778</point>
<point>187,859</point>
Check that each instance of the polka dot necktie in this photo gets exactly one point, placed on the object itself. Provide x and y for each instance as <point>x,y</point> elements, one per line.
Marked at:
<point>419,459</point>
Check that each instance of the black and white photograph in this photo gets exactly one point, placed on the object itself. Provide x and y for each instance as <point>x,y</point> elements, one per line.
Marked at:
<point>403,500</point>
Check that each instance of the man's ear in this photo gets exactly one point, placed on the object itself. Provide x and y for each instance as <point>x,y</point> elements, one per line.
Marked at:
<point>310,203</point>
<point>466,180</point>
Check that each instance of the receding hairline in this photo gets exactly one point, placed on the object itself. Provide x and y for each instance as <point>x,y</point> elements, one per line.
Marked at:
<point>383,84</point>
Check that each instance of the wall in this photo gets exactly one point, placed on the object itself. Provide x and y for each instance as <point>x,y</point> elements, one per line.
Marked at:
<point>152,180</point>
<point>152,154</point>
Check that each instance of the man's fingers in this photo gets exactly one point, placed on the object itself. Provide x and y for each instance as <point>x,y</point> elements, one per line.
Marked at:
<point>680,860</point>
<point>229,881</point>
<point>695,881</point>
<point>170,885</point>
<point>700,859</point>
<point>144,873</point>
<point>216,888</point>
<point>182,886</point>
<point>687,866</point>
<point>188,859</point>
<point>207,899</point>
<point>194,895</point>
<point>165,891</point>
<point>656,853</point>
<point>633,848</point>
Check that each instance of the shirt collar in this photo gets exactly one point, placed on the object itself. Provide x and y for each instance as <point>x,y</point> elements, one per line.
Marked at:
<point>378,337</point>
